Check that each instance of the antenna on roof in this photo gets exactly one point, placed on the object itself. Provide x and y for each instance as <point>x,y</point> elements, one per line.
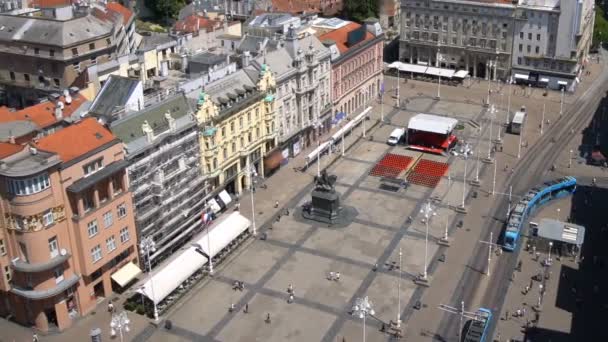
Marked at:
<point>66,95</point>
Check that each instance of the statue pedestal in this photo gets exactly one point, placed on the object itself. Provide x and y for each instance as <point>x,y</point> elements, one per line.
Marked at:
<point>325,205</point>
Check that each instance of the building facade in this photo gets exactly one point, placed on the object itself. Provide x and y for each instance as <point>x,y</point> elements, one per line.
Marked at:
<point>169,191</point>
<point>303,97</point>
<point>357,65</point>
<point>476,36</point>
<point>36,58</point>
<point>552,41</point>
<point>238,129</point>
<point>539,40</point>
<point>67,225</point>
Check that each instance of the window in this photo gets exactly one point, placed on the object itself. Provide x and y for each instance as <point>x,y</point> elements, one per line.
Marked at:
<point>26,77</point>
<point>36,51</point>
<point>537,49</point>
<point>232,127</point>
<point>87,202</point>
<point>529,35</point>
<point>108,41</point>
<point>56,82</point>
<point>225,153</point>
<point>2,247</point>
<point>76,66</point>
<point>74,51</point>
<point>96,253</point>
<point>223,132</point>
<point>124,235</point>
<point>93,59</point>
<point>58,273</point>
<point>92,46</point>
<point>12,74</point>
<point>107,219</point>
<point>241,122</point>
<point>92,228</point>
<point>528,48</point>
<point>538,36</point>
<point>519,60</point>
<point>233,147</point>
<point>521,47</point>
<point>111,243</point>
<point>7,273</point>
<point>51,52</point>
<point>53,246</point>
<point>122,210</point>
<point>92,167</point>
<point>28,186</point>
<point>47,218</point>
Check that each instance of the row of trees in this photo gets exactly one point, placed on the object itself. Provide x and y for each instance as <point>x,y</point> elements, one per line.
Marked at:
<point>359,10</point>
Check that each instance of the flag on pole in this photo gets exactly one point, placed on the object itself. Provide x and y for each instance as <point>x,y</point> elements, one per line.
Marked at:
<point>206,218</point>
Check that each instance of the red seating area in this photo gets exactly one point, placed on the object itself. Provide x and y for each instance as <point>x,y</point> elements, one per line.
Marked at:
<point>427,173</point>
<point>391,165</point>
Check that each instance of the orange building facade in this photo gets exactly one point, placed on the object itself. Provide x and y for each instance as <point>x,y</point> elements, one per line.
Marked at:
<point>66,227</point>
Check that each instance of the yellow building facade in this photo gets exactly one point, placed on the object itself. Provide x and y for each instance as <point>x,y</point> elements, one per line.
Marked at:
<point>238,128</point>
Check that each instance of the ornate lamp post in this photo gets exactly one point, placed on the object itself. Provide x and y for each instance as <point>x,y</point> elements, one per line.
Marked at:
<point>119,323</point>
<point>146,246</point>
<point>362,308</point>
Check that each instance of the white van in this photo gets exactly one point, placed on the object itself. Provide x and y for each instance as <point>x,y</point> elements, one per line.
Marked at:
<point>396,136</point>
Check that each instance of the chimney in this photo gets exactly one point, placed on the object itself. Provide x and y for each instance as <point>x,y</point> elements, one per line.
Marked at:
<point>59,111</point>
<point>245,59</point>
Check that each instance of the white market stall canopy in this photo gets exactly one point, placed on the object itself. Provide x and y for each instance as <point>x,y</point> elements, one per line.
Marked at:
<point>405,67</point>
<point>181,266</point>
<point>521,77</point>
<point>312,155</point>
<point>432,123</point>
<point>461,74</point>
<point>447,73</point>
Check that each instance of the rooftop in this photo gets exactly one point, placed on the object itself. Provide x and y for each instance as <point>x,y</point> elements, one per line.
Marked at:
<point>208,58</point>
<point>114,95</point>
<point>8,149</point>
<point>126,13</point>
<point>26,162</point>
<point>42,115</point>
<point>195,22</point>
<point>77,140</point>
<point>45,31</point>
<point>150,40</point>
<point>341,36</point>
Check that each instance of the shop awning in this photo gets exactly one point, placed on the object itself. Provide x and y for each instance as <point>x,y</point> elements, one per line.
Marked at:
<point>223,233</point>
<point>172,274</point>
<point>461,74</point>
<point>447,73</point>
<point>406,67</point>
<point>544,80</point>
<point>564,83</point>
<point>313,155</point>
<point>521,77</point>
<point>126,274</point>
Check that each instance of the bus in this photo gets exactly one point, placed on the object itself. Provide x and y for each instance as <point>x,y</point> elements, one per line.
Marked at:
<point>478,327</point>
<point>536,197</point>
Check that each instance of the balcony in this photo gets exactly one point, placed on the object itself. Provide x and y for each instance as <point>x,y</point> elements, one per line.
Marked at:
<point>48,293</point>
<point>23,266</point>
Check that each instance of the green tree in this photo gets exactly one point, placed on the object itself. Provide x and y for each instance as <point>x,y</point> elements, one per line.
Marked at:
<point>165,9</point>
<point>359,10</point>
<point>600,29</point>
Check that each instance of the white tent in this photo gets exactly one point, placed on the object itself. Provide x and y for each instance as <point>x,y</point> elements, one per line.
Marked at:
<point>432,123</point>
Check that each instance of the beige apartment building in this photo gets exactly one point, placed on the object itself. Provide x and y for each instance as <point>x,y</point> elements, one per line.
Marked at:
<point>238,129</point>
<point>47,50</point>
<point>67,235</point>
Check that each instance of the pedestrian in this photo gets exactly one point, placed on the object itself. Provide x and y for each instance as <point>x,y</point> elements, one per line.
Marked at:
<point>290,288</point>
<point>35,338</point>
<point>290,299</point>
<point>375,267</point>
<point>232,307</point>
<point>507,315</point>
<point>110,307</point>
<point>268,318</point>
<point>276,204</point>
<point>246,310</point>
<point>382,328</point>
<point>337,276</point>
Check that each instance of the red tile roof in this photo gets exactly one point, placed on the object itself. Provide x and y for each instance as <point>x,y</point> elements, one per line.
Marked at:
<point>296,6</point>
<point>42,114</point>
<point>127,14</point>
<point>8,149</point>
<point>340,36</point>
<point>49,3</point>
<point>76,140</point>
<point>194,23</point>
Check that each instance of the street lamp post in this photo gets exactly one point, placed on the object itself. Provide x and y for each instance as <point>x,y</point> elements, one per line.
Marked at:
<point>549,257</point>
<point>362,308</point>
<point>428,212</point>
<point>252,173</point>
<point>509,102</point>
<point>462,209</point>
<point>521,133</point>
<point>490,244</point>
<point>561,103</point>
<point>492,111</point>
<point>120,322</point>
<point>542,120</point>
<point>570,159</point>
<point>398,323</point>
<point>398,105</point>
<point>439,60</point>
<point>494,180</point>
<point>148,245</point>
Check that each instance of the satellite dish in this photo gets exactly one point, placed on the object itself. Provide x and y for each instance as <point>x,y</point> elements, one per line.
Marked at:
<point>60,105</point>
<point>68,99</point>
<point>66,92</point>
<point>63,252</point>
